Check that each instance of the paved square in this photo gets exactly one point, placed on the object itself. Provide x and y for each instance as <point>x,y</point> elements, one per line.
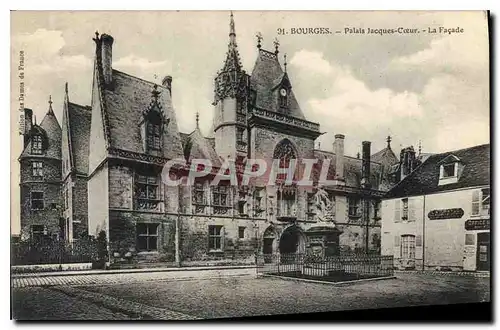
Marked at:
<point>247,296</point>
<point>175,296</point>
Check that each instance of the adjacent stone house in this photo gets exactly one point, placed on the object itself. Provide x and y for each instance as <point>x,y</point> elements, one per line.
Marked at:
<point>438,217</point>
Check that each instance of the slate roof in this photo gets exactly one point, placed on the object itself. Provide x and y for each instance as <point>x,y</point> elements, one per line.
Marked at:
<point>50,129</point>
<point>385,156</point>
<point>352,169</point>
<point>425,178</point>
<point>267,72</point>
<point>125,104</point>
<point>79,128</point>
<point>196,146</point>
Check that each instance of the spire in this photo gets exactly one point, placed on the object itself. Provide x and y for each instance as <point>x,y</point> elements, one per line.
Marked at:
<point>233,58</point>
<point>50,106</point>
<point>198,117</point>
<point>285,63</point>
<point>389,139</point>
<point>232,32</point>
<point>228,79</point>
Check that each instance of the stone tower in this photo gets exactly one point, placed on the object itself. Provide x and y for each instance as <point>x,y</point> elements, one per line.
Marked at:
<point>231,103</point>
<point>41,180</point>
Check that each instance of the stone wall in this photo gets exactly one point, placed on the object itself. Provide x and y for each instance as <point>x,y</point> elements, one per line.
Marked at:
<point>123,237</point>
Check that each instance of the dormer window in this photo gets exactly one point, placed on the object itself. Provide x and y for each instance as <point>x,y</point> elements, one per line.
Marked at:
<point>283,99</point>
<point>448,170</point>
<point>153,136</point>
<point>153,124</point>
<point>36,145</point>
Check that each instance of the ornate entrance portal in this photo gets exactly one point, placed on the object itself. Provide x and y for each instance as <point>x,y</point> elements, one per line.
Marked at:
<point>292,241</point>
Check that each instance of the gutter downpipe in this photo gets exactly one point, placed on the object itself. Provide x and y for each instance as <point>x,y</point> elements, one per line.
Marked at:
<point>423,236</point>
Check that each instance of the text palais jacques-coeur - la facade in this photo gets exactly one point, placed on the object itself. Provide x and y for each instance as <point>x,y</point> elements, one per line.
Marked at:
<point>108,159</point>
<point>438,217</point>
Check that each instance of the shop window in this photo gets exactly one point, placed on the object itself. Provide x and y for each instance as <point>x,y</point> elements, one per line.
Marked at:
<point>408,247</point>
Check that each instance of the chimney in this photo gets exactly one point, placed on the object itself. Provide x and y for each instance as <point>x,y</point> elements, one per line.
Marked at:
<point>365,181</point>
<point>339,156</point>
<point>407,161</point>
<point>107,57</point>
<point>28,123</point>
<point>167,83</point>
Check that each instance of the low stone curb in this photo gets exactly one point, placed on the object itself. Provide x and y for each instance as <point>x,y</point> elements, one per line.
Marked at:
<point>86,280</point>
<point>141,311</point>
<point>126,271</point>
<point>443,273</point>
<point>327,282</point>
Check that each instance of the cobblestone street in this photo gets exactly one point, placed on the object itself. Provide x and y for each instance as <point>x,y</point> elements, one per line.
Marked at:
<point>161,296</point>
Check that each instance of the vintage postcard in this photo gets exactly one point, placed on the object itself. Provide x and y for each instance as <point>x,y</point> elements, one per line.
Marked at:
<point>200,165</point>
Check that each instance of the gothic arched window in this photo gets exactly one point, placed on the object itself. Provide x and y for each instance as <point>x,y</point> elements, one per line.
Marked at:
<point>285,152</point>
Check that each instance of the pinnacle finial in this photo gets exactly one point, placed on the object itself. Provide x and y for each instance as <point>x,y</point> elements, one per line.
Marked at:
<point>66,87</point>
<point>419,147</point>
<point>231,25</point>
<point>155,93</point>
<point>197,119</point>
<point>389,139</point>
<point>276,45</point>
<point>50,105</point>
<point>259,39</point>
<point>285,63</point>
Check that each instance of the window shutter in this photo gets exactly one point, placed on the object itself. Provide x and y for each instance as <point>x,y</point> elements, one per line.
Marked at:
<point>397,247</point>
<point>418,247</point>
<point>222,237</point>
<point>412,212</point>
<point>397,210</point>
<point>475,202</point>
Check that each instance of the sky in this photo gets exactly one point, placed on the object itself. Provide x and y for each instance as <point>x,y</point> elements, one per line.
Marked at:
<point>432,88</point>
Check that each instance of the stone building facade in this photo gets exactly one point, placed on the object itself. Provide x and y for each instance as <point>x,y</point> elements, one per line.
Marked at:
<point>114,151</point>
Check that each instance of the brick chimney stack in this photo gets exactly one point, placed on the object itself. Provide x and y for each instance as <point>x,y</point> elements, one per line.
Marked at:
<point>338,147</point>
<point>28,123</point>
<point>365,181</point>
<point>107,57</point>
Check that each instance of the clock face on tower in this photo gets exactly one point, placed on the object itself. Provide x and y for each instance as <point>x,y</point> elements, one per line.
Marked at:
<point>283,92</point>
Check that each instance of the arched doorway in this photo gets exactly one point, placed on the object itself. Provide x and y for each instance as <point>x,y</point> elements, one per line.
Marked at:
<point>292,241</point>
<point>269,244</point>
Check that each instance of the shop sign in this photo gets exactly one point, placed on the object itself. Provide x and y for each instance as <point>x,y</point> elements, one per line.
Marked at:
<point>446,214</point>
<point>477,224</point>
